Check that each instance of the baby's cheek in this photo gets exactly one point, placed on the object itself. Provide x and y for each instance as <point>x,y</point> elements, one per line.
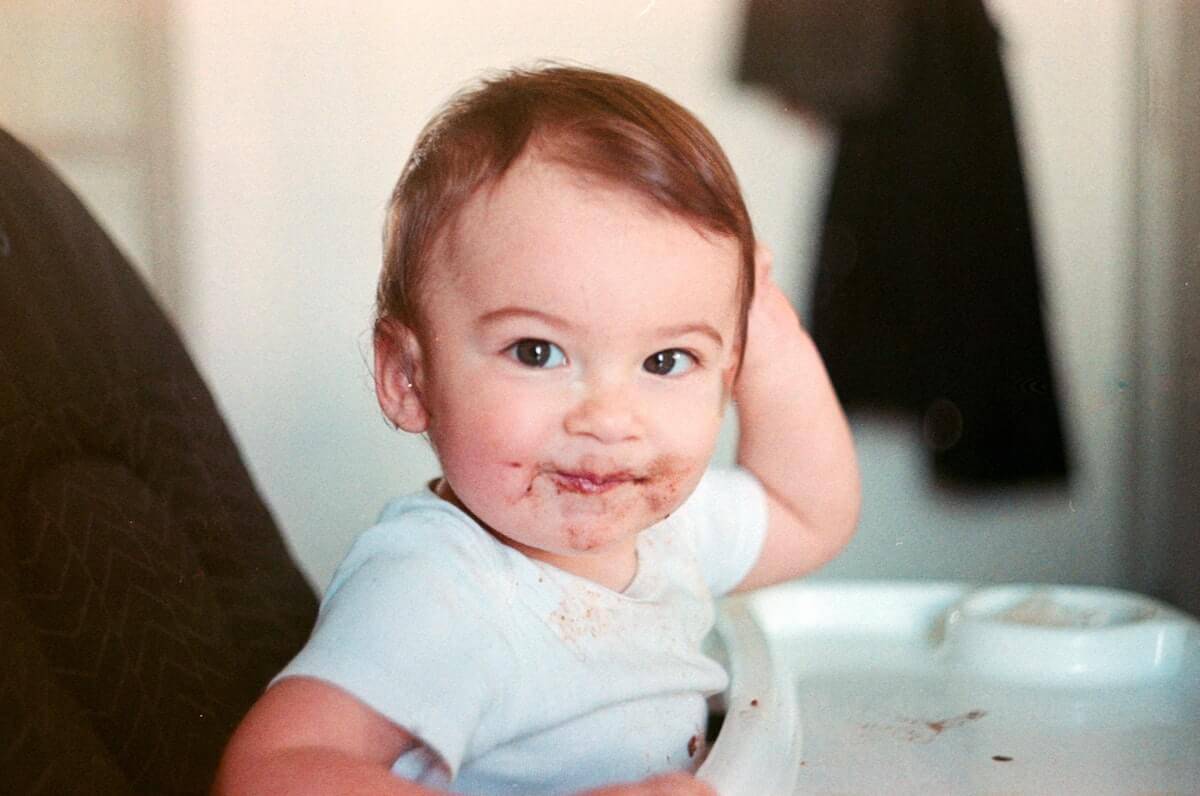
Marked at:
<point>663,495</point>
<point>688,437</point>
<point>671,479</point>
<point>688,426</point>
<point>491,443</point>
<point>507,417</point>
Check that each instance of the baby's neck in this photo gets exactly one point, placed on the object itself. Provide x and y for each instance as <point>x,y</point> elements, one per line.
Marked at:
<point>613,570</point>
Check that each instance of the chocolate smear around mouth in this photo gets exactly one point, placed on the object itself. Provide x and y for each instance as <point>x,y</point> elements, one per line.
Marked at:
<point>665,475</point>
<point>658,485</point>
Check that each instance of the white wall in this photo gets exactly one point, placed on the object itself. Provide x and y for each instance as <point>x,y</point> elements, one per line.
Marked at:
<point>82,84</point>
<point>293,126</point>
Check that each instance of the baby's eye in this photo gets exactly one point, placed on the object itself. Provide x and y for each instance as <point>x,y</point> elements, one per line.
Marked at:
<point>537,353</point>
<point>671,362</point>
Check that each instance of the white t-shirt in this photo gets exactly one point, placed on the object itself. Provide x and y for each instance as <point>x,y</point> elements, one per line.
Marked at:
<point>518,677</point>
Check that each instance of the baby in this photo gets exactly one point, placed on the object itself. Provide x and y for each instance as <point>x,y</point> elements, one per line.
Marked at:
<point>571,295</point>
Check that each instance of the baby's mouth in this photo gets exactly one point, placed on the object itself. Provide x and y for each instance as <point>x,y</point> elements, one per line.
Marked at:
<point>588,483</point>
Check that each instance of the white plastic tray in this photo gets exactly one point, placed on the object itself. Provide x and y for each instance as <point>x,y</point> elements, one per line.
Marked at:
<point>945,688</point>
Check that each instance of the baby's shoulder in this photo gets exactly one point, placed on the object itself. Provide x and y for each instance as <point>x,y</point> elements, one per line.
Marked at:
<point>421,532</point>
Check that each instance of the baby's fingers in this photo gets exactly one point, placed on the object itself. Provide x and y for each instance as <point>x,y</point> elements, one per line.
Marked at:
<point>662,785</point>
<point>679,783</point>
<point>764,258</point>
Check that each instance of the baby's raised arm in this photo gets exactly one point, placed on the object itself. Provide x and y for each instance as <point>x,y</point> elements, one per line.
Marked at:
<point>794,438</point>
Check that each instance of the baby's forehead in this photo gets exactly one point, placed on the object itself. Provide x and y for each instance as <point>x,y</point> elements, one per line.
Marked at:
<point>538,184</point>
<point>552,237</point>
<point>542,174</point>
<point>548,238</point>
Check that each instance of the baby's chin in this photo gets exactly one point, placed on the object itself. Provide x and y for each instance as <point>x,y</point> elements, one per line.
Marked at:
<point>582,536</point>
<point>572,513</point>
<point>569,526</point>
<point>635,502</point>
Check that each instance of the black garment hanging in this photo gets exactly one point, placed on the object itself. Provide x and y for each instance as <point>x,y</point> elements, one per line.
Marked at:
<point>927,296</point>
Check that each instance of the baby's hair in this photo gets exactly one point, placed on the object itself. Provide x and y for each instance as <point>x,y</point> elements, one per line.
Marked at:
<point>599,124</point>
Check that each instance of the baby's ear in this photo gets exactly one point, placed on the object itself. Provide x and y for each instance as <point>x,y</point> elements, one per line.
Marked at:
<point>399,375</point>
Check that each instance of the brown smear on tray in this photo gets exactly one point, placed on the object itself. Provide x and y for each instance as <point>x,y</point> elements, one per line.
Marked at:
<point>921,730</point>
<point>957,721</point>
<point>693,745</point>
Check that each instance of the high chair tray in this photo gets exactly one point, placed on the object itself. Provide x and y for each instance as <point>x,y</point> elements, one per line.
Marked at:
<point>948,688</point>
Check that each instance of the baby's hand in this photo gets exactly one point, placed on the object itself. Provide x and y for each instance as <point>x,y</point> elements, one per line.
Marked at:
<point>794,438</point>
<point>662,785</point>
<point>773,326</point>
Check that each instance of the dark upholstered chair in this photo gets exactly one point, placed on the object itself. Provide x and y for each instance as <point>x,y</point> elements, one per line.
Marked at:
<point>146,596</point>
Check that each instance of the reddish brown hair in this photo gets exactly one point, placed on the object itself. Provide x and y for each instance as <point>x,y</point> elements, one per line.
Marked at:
<point>600,124</point>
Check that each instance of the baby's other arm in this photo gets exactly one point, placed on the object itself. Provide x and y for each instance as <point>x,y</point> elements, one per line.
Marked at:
<point>662,785</point>
<point>794,438</point>
<point>306,736</point>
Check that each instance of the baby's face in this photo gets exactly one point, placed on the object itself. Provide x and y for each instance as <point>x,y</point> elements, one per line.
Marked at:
<point>579,352</point>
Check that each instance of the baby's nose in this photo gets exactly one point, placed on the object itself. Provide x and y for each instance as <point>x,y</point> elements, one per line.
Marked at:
<point>607,413</point>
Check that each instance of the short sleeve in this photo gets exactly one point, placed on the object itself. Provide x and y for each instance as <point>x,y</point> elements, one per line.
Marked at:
<point>404,629</point>
<point>727,516</point>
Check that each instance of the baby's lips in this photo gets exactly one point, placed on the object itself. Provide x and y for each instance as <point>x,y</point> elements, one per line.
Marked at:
<point>591,483</point>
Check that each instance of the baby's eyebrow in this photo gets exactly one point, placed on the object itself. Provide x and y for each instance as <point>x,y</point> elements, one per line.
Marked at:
<point>511,312</point>
<point>693,328</point>
<point>508,313</point>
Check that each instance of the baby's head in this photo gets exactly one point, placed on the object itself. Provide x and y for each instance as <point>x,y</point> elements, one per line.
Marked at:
<point>611,128</point>
<point>568,267</point>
